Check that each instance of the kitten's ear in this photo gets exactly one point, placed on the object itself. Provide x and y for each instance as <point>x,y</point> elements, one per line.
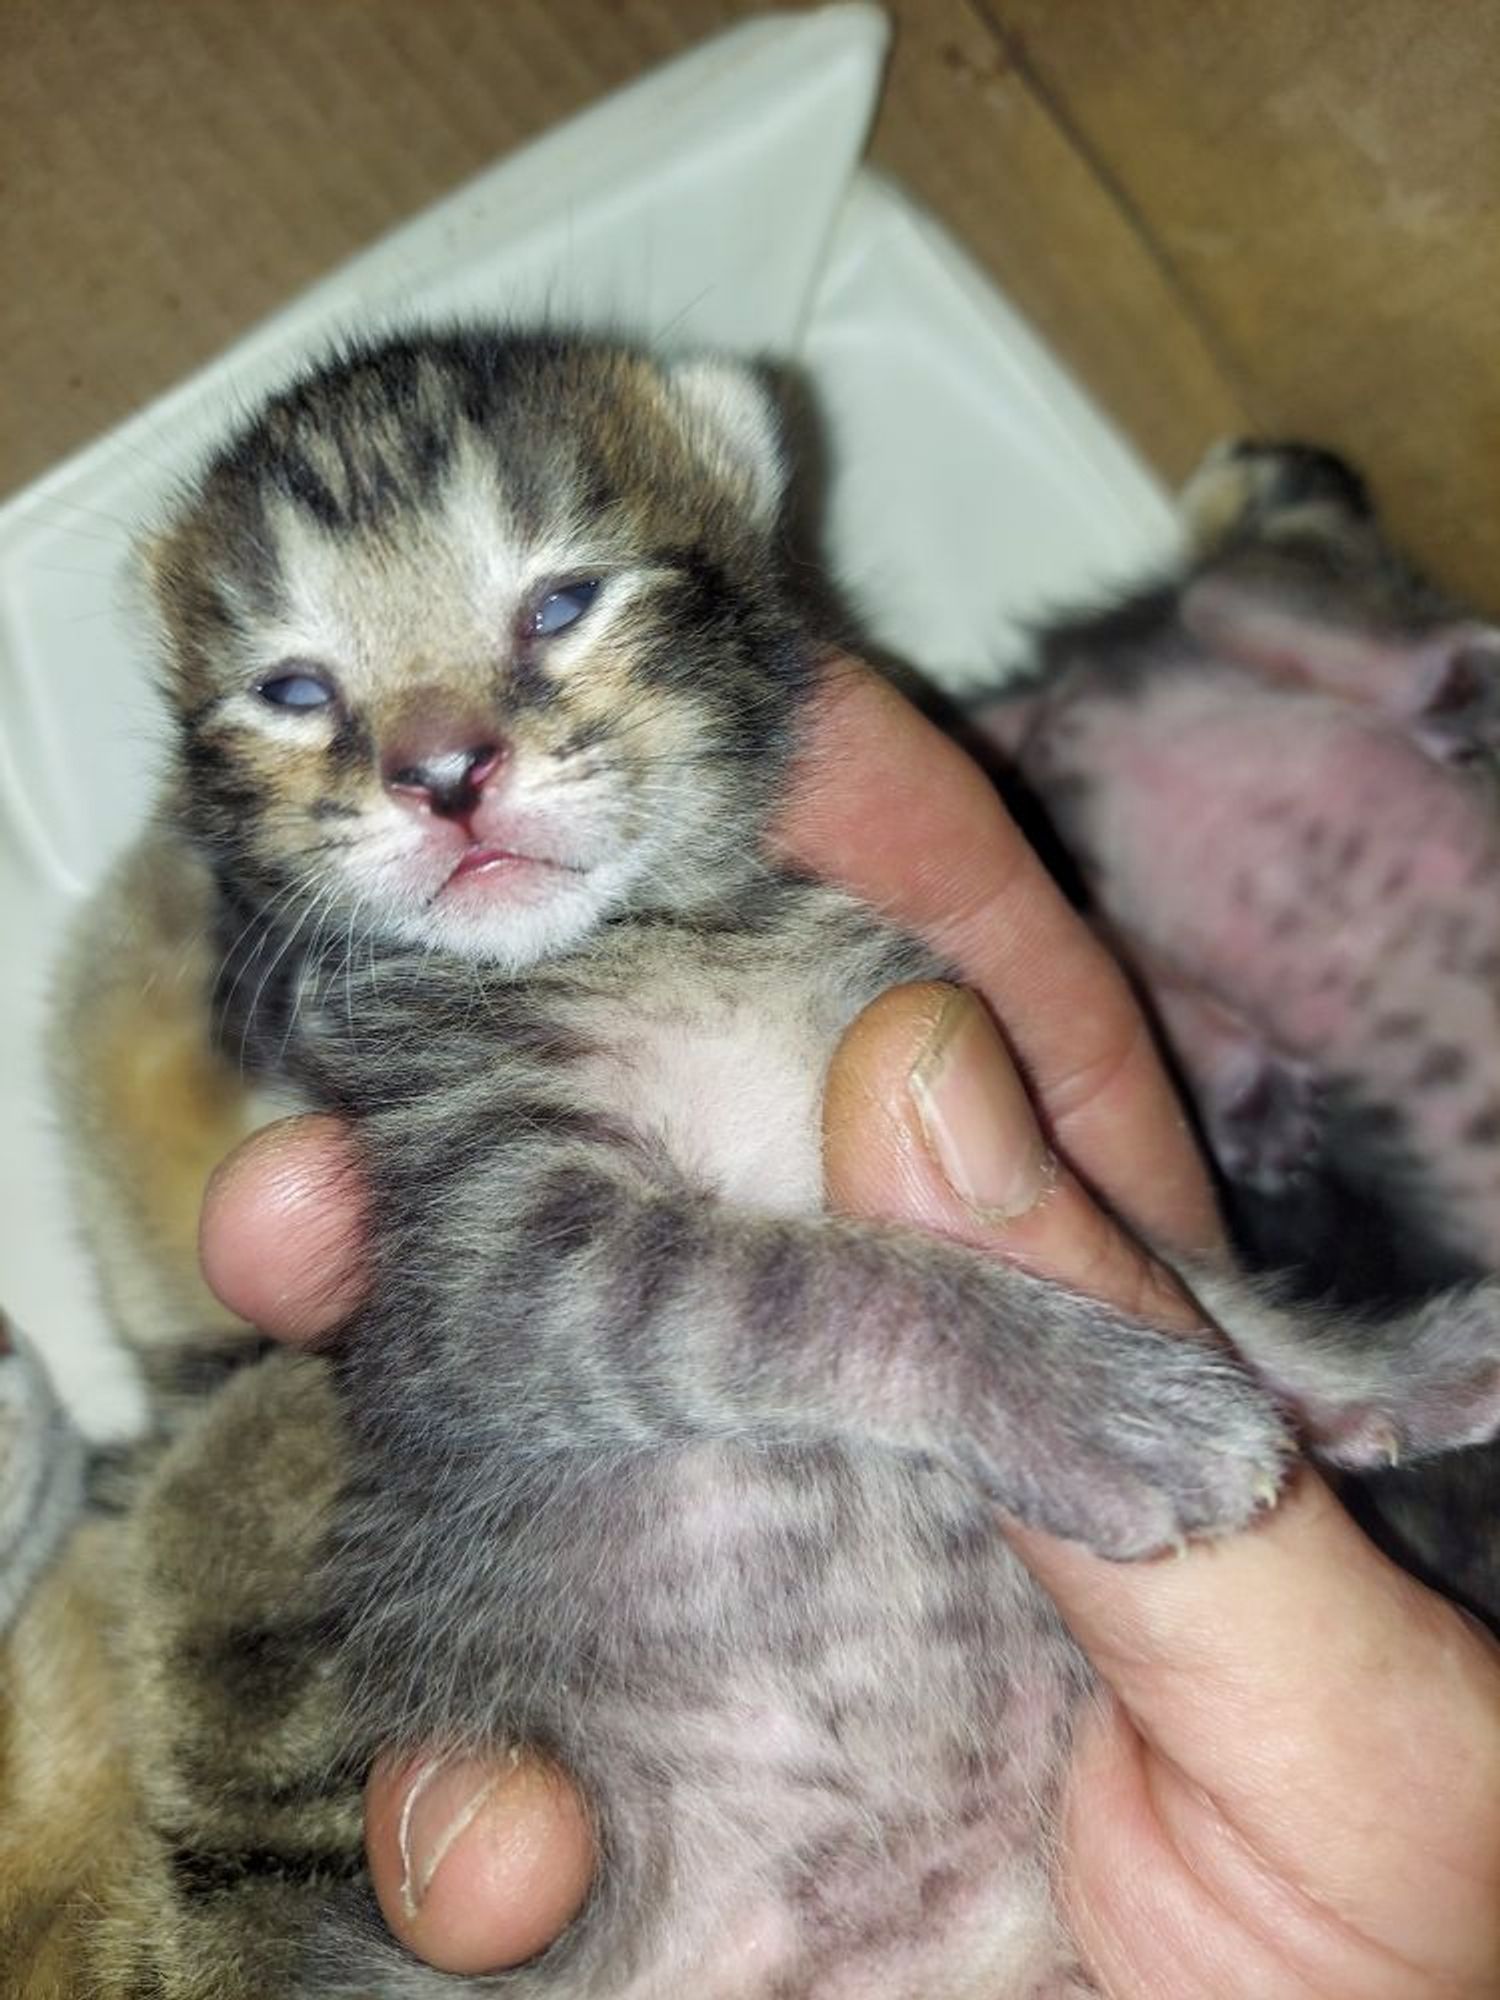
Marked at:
<point>735,422</point>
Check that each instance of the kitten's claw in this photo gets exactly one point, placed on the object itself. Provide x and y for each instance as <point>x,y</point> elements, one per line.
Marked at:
<point>1267,1495</point>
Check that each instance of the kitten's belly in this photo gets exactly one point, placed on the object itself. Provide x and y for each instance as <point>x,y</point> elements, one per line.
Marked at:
<point>870,1708</point>
<point>995,1938</point>
<point>1291,852</point>
<point>1308,864</point>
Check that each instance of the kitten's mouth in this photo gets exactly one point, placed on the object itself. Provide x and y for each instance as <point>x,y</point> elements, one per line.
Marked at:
<point>481,859</point>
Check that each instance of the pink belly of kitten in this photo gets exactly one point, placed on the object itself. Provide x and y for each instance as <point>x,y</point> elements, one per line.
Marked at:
<point>1306,862</point>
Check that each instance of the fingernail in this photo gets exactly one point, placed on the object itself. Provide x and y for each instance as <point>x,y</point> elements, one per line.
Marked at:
<point>975,1115</point>
<point>442,1802</point>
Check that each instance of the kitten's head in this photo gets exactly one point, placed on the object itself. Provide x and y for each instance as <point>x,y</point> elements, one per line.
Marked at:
<point>476,640</point>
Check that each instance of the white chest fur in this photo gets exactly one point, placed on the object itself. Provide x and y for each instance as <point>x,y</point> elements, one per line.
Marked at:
<point>726,1076</point>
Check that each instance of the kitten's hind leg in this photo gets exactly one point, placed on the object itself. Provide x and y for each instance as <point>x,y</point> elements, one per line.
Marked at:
<point>1373,1392</point>
<point>251,1803</point>
<point>1260,1108</point>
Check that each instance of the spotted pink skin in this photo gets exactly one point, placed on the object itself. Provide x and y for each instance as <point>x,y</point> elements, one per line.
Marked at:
<point>1310,863</point>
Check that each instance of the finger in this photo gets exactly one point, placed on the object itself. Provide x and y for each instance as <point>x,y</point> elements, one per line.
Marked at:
<point>926,1121</point>
<point>886,805</point>
<point>281,1237</point>
<point>476,1866</point>
<point>1297,1691</point>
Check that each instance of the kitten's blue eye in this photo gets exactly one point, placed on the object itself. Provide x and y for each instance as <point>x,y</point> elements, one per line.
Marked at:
<point>561,608</point>
<point>299,690</point>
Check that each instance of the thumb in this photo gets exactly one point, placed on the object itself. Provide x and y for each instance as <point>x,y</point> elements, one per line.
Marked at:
<point>927,1122</point>
<point>476,1865</point>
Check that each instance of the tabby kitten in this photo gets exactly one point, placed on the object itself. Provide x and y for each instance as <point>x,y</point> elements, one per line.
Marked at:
<point>486,677</point>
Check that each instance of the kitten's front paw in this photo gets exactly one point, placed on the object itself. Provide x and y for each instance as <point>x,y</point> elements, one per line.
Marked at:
<point>1452,693</point>
<point>1153,1441</point>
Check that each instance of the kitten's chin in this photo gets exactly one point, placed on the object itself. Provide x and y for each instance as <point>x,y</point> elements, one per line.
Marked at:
<point>508,910</point>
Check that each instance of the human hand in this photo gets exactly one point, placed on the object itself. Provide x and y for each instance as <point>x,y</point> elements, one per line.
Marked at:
<point>1291,1785</point>
<point>1230,1812</point>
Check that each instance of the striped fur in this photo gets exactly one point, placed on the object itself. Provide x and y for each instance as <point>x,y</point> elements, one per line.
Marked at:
<point>635,1454</point>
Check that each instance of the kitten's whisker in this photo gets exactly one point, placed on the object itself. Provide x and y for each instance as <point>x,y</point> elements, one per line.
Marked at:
<point>286,945</point>
<point>259,921</point>
<point>56,512</point>
<point>349,945</point>
<point>89,575</point>
<point>312,960</point>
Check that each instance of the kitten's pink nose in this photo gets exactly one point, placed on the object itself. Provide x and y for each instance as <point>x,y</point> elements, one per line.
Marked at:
<point>437,778</point>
